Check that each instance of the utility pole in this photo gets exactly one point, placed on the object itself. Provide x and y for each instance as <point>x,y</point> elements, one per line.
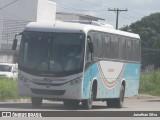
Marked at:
<point>117,12</point>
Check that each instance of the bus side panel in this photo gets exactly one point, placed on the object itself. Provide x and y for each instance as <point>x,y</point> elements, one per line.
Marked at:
<point>110,79</point>
<point>132,76</point>
<point>109,76</point>
<point>89,76</point>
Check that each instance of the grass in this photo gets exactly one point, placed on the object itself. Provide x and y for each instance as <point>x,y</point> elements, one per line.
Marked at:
<point>150,84</point>
<point>8,89</point>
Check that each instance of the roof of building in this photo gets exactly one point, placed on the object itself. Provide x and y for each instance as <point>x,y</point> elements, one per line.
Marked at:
<point>89,16</point>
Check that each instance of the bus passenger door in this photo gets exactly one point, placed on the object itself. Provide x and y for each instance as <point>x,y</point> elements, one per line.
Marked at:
<point>89,55</point>
<point>88,75</point>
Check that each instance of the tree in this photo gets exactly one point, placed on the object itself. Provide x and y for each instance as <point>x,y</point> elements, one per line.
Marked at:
<point>149,30</point>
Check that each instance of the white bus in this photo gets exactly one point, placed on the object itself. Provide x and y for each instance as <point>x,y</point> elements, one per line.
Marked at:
<point>78,62</point>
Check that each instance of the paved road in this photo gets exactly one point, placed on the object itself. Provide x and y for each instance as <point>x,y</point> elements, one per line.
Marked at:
<point>133,104</point>
<point>140,103</point>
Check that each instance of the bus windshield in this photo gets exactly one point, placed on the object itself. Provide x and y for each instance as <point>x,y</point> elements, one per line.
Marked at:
<point>52,53</point>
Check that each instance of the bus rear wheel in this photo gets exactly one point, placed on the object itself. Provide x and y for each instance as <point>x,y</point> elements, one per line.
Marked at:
<point>111,103</point>
<point>118,102</point>
<point>36,102</point>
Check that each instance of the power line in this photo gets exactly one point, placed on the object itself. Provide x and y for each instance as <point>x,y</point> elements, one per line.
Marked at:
<point>98,4</point>
<point>75,9</point>
<point>137,13</point>
<point>117,12</point>
<point>8,4</point>
<point>129,16</point>
<point>93,3</point>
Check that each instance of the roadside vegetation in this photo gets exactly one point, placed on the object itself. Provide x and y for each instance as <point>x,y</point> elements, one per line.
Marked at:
<point>149,31</point>
<point>150,83</point>
<point>8,89</point>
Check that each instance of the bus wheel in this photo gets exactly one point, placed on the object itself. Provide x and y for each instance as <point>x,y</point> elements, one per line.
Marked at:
<point>110,103</point>
<point>117,103</point>
<point>87,104</point>
<point>120,100</point>
<point>36,102</point>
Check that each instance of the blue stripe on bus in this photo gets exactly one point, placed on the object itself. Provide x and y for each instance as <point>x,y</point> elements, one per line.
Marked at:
<point>131,75</point>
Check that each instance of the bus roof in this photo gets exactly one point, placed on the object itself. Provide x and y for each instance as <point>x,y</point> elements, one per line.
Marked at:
<point>75,27</point>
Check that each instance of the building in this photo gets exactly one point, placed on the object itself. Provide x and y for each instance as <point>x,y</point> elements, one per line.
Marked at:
<point>14,15</point>
<point>72,16</point>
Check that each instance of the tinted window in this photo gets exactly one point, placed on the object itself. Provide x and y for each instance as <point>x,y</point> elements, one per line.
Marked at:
<point>136,49</point>
<point>122,48</point>
<point>106,46</point>
<point>5,68</point>
<point>114,47</point>
<point>129,49</point>
<point>52,53</point>
<point>97,41</point>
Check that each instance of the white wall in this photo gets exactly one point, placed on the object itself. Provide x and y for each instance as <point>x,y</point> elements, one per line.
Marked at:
<point>8,58</point>
<point>29,10</point>
<point>15,15</point>
<point>46,11</point>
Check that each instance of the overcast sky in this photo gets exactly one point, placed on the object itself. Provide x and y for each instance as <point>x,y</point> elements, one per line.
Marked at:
<point>137,9</point>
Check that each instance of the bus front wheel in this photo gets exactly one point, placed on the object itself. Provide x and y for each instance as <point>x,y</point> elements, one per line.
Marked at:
<point>87,104</point>
<point>36,102</point>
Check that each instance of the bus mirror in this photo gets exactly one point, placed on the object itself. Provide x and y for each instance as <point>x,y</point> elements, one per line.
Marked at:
<point>91,47</point>
<point>14,46</point>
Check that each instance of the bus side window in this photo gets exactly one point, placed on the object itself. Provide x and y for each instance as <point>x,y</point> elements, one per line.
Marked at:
<point>136,50</point>
<point>90,49</point>
<point>114,47</point>
<point>129,48</point>
<point>106,46</point>
<point>122,48</point>
<point>97,41</point>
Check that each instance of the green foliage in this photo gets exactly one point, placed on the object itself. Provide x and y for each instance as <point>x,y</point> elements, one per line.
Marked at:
<point>8,89</point>
<point>150,84</point>
<point>149,30</point>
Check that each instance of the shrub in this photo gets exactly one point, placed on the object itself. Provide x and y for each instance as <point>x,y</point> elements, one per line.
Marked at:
<point>150,84</point>
<point>8,89</point>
